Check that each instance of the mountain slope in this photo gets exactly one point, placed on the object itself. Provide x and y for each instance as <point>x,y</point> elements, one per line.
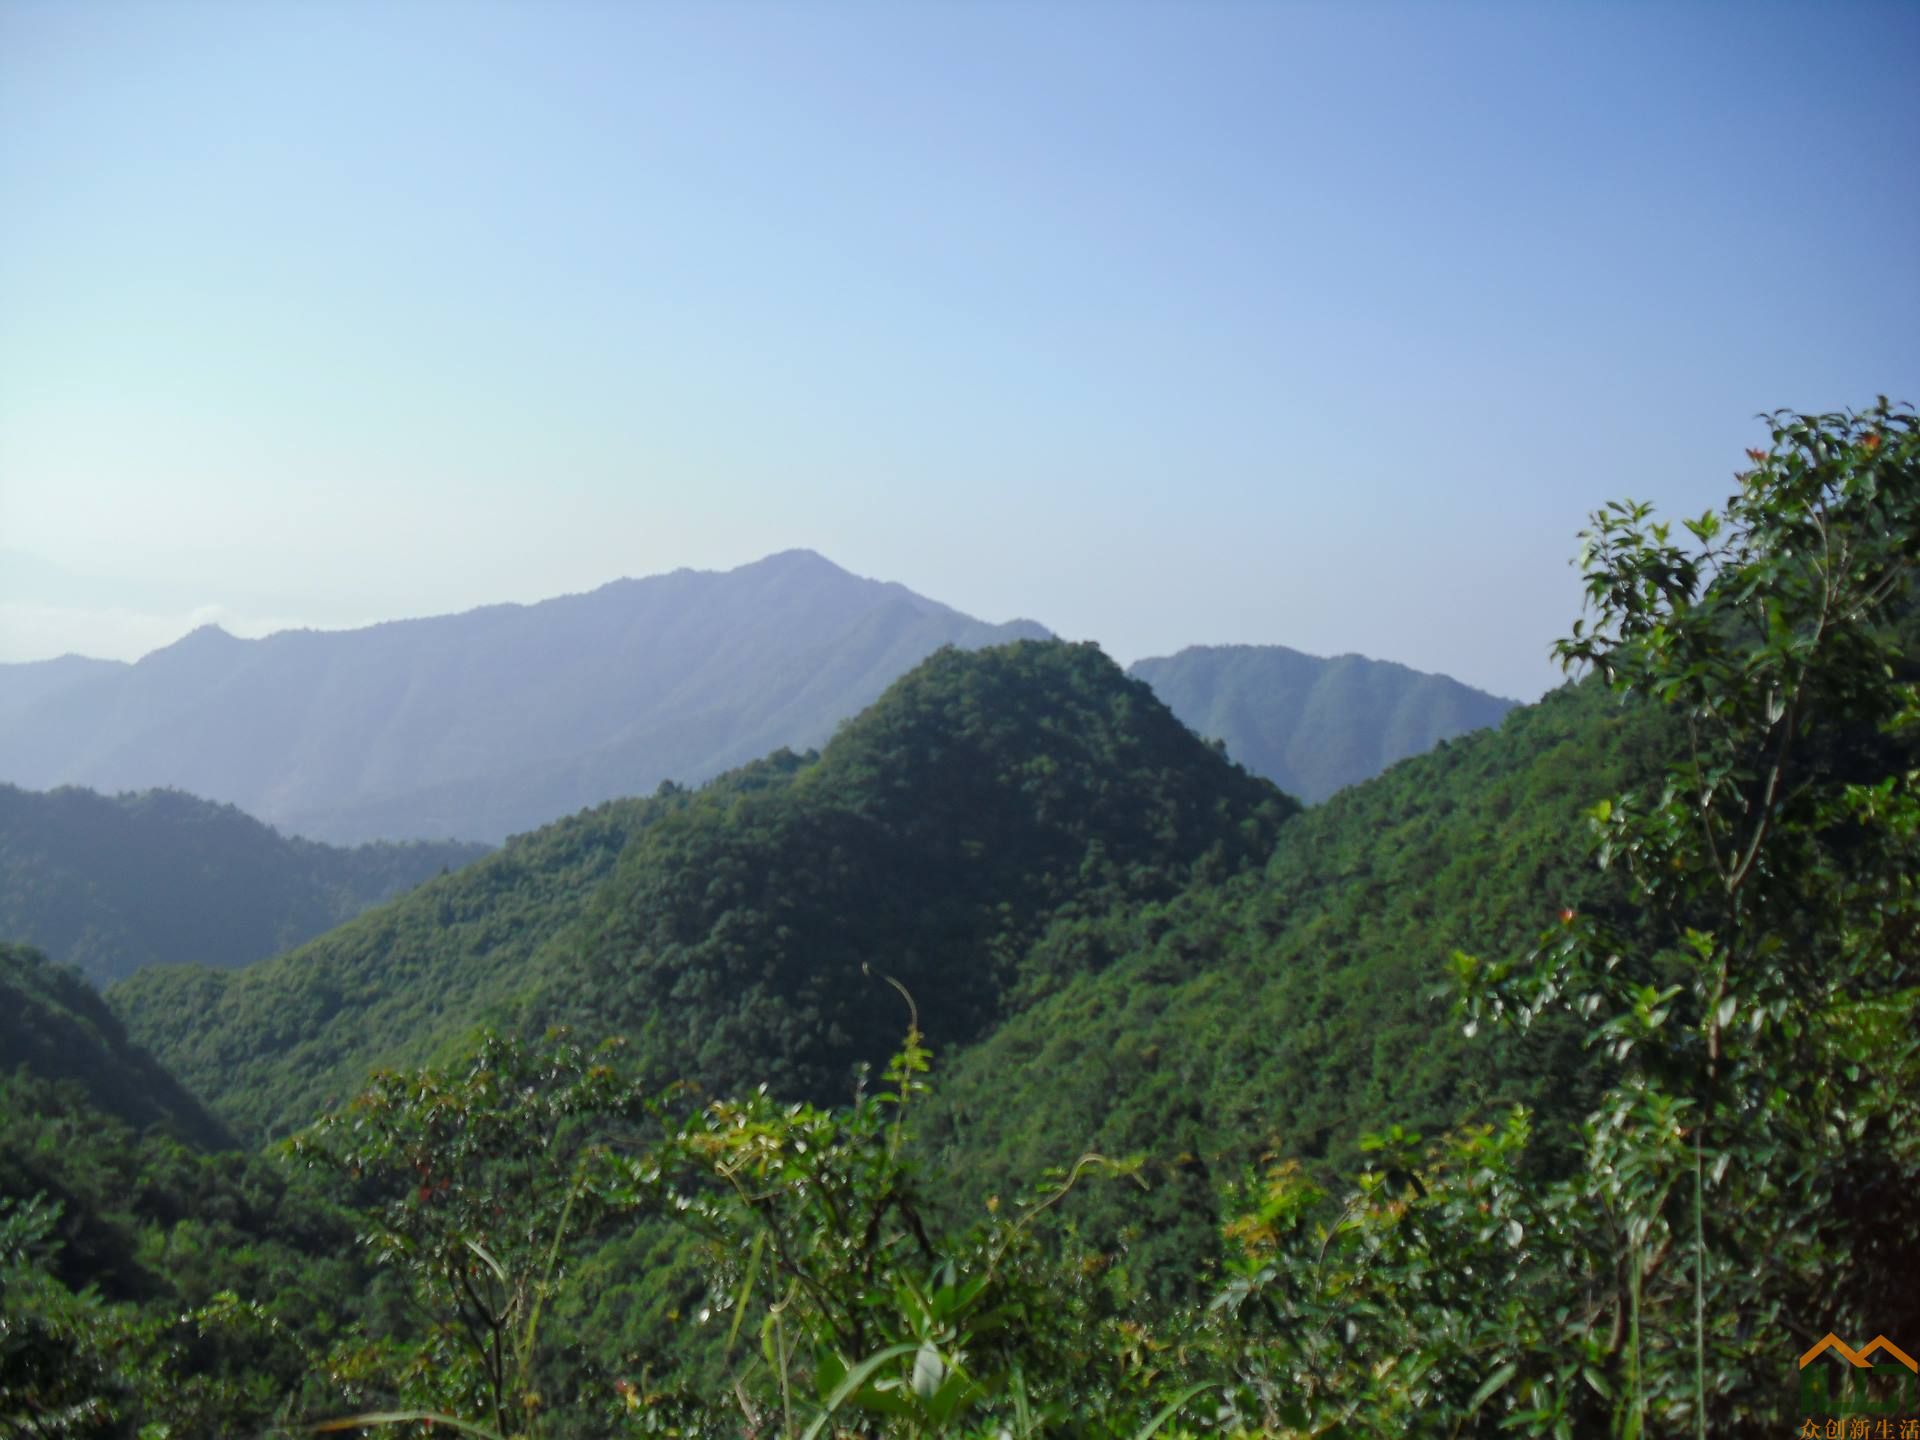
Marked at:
<point>56,1026</point>
<point>490,722</point>
<point>112,883</point>
<point>272,1044</point>
<point>1286,1011</point>
<point>1314,725</point>
<point>24,685</point>
<point>123,1208</point>
<point>741,934</point>
<point>985,797</point>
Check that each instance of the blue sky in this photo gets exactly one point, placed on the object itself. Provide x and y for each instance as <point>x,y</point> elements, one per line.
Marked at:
<point>1159,323</point>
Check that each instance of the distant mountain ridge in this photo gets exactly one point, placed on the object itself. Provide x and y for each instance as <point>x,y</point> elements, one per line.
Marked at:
<point>1314,725</point>
<point>499,720</point>
<point>490,722</point>
<point>109,883</point>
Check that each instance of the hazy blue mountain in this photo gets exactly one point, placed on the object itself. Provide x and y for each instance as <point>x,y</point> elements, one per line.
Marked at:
<point>112,883</point>
<point>1314,725</point>
<point>22,686</point>
<point>490,722</point>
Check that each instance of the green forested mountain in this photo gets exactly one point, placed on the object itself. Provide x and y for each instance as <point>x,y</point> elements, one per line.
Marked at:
<point>489,723</point>
<point>983,798</point>
<point>1291,1009</point>
<point>740,934</point>
<point>131,1230</point>
<point>1053,867</point>
<point>1141,958</point>
<point>55,1026</point>
<point>270,1044</point>
<point>112,883</point>
<point>1313,725</point>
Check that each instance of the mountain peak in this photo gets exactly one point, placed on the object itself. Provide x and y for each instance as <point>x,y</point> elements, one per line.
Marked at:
<point>798,561</point>
<point>414,728</point>
<point>203,640</point>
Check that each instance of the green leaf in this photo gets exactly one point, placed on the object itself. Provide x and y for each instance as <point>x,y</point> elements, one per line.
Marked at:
<point>404,1417</point>
<point>853,1380</point>
<point>492,1264</point>
<point>928,1371</point>
<point>746,1287</point>
<point>1492,1383</point>
<point>1172,1408</point>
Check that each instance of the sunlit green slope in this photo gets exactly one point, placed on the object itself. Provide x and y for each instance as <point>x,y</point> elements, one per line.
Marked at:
<point>741,934</point>
<point>271,1044</point>
<point>1291,1009</point>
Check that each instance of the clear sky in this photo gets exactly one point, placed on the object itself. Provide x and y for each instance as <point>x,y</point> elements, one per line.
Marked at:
<point>1162,324</point>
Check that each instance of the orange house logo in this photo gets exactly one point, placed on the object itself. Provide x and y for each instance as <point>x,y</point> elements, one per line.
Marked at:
<point>1858,1358</point>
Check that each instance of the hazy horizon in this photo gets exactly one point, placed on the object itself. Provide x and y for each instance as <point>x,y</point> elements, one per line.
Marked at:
<point>1304,325</point>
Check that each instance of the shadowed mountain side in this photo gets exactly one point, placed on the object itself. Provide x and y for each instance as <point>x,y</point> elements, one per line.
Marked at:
<point>136,1194</point>
<point>1313,725</point>
<point>494,721</point>
<point>58,1028</point>
<point>112,883</point>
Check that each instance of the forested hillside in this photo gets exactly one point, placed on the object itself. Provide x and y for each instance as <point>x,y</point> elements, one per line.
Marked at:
<point>740,934</point>
<point>56,1027</point>
<point>982,798</point>
<point>113,883</point>
<point>271,1044</point>
<point>1314,725</point>
<point>996,834</point>
<point>1292,1009</point>
<point>141,1255</point>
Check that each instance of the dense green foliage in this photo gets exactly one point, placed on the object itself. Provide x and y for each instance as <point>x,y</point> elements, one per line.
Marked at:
<point>1755,1168</point>
<point>56,1026</point>
<point>128,1239</point>
<point>1313,725</point>
<point>1291,1009</point>
<point>112,883</point>
<point>729,931</point>
<point>271,1045</point>
<point>142,1281</point>
<point>987,795</point>
<point>1675,1095</point>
